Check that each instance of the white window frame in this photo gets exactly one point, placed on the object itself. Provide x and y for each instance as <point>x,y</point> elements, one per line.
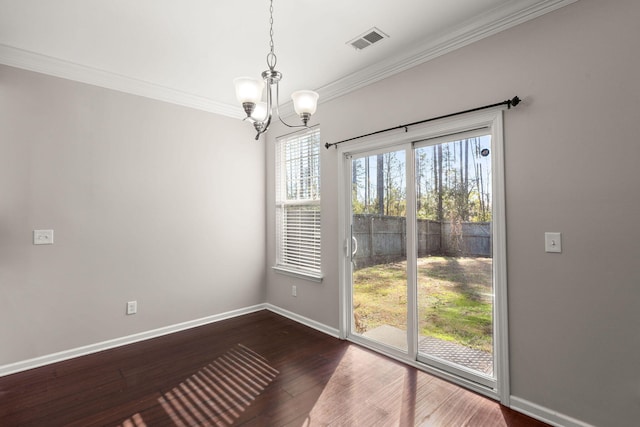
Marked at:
<point>298,244</point>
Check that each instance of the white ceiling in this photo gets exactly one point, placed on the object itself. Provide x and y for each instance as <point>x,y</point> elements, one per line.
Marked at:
<point>189,51</point>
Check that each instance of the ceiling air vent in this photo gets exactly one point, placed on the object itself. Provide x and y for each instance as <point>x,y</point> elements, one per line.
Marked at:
<point>368,38</point>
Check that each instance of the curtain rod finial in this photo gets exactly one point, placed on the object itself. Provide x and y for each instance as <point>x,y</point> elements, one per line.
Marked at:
<point>514,101</point>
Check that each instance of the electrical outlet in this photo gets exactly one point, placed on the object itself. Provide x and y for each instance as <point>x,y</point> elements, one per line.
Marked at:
<point>294,291</point>
<point>132,307</point>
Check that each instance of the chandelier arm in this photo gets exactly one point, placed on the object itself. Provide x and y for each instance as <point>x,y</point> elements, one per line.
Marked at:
<point>278,110</point>
<point>264,125</point>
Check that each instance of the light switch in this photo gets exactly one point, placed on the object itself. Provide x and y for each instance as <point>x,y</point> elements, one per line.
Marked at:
<point>552,242</point>
<point>43,237</point>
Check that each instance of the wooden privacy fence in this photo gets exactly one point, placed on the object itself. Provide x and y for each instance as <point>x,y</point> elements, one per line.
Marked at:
<point>382,239</point>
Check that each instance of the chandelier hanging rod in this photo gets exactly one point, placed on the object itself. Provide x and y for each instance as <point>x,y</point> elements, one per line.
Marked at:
<point>509,103</point>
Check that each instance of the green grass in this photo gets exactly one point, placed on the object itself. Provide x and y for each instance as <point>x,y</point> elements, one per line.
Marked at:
<point>455,300</point>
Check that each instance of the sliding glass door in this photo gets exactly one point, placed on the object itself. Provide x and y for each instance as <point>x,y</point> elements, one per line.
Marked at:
<point>378,248</point>
<point>424,273</point>
<point>454,258</point>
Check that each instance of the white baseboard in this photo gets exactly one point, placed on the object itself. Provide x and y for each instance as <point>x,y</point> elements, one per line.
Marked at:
<point>130,339</point>
<point>546,415</point>
<point>304,320</point>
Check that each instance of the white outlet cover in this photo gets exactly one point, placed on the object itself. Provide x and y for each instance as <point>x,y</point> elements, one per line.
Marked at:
<point>43,237</point>
<point>132,307</point>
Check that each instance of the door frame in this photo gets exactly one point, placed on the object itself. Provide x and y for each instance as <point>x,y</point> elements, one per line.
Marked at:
<point>489,119</point>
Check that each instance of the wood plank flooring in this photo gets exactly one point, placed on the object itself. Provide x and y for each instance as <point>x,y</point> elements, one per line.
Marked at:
<point>259,369</point>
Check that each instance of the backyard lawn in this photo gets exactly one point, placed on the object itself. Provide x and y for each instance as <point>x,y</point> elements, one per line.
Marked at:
<point>455,299</point>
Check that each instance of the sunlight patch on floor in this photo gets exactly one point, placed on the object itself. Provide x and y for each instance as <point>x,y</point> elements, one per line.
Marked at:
<point>218,393</point>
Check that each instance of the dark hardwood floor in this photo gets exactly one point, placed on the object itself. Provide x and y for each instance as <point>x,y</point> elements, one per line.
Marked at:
<point>256,370</point>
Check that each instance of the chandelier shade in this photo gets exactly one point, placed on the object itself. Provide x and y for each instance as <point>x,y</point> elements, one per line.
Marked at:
<point>260,112</point>
<point>305,101</point>
<point>249,93</point>
<point>248,89</point>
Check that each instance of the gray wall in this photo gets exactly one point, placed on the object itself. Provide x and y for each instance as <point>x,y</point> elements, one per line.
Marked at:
<point>149,201</point>
<point>572,155</point>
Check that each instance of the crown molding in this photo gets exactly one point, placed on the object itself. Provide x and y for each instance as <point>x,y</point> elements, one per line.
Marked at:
<point>56,67</point>
<point>488,24</point>
<point>481,27</point>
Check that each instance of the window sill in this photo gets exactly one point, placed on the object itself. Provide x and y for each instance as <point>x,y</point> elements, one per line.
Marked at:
<point>314,277</point>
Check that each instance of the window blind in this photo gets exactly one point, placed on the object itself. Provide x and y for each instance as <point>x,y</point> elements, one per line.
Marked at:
<point>298,202</point>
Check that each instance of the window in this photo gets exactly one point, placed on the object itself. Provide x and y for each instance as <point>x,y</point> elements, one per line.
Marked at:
<point>298,204</point>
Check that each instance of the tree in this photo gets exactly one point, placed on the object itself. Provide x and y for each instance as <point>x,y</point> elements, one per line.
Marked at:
<point>380,183</point>
<point>439,189</point>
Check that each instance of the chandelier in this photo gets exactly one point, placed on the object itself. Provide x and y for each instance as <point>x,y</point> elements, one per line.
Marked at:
<point>249,93</point>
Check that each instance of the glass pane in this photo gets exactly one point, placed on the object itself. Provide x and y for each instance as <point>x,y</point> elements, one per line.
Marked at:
<point>379,280</point>
<point>455,265</point>
<point>302,167</point>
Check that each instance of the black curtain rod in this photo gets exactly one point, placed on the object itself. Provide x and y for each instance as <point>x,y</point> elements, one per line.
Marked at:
<point>509,103</point>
